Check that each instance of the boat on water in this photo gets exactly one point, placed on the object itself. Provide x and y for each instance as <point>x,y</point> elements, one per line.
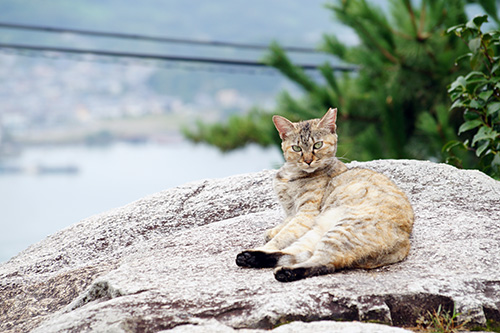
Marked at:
<point>38,169</point>
<point>62,169</point>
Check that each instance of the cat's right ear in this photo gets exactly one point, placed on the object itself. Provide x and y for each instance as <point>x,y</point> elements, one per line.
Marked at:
<point>283,125</point>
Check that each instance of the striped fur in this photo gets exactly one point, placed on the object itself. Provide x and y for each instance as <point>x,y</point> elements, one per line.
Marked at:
<point>335,217</point>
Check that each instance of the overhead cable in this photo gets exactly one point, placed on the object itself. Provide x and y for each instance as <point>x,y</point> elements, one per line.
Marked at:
<point>153,38</point>
<point>116,54</point>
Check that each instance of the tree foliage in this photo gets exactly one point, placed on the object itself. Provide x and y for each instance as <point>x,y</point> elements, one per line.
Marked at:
<point>394,106</point>
<point>477,96</point>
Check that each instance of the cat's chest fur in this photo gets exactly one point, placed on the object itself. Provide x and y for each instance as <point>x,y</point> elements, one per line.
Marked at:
<point>296,190</point>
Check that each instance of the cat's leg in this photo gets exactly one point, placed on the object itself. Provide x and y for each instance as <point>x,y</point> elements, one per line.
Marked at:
<point>336,248</point>
<point>301,259</point>
<point>270,233</point>
<point>302,249</point>
<point>268,255</point>
<point>346,245</point>
<point>289,274</point>
<point>297,227</point>
<point>325,258</point>
<point>312,266</point>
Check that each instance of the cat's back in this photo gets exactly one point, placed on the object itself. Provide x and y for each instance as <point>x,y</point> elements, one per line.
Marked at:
<point>359,178</point>
<point>371,193</point>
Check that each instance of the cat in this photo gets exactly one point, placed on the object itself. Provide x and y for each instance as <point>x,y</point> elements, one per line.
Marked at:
<point>336,217</point>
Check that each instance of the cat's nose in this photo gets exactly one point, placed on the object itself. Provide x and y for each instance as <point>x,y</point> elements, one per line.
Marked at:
<point>308,160</point>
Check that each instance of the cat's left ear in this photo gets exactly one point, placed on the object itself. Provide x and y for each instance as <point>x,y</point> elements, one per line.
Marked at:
<point>329,119</point>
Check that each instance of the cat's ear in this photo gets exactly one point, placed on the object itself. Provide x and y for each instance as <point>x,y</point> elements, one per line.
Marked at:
<point>328,120</point>
<point>283,125</point>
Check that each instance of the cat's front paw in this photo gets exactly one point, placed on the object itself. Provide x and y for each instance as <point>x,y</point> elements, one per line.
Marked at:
<point>270,233</point>
<point>257,259</point>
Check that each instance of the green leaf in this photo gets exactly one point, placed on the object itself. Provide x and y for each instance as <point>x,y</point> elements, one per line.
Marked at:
<point>495,67</point>
<point>470,115</point>
<point>457,29</point>
<point>475,104</point>
<point>468,125</point>
<point>460,82</point>
<point>476,22</point>
<point>479,20</point>
<point>474,73</point>
<point>493,108</point>
<point>463,56</point>
<point>487,37</point>
<point>484,133</point>
<point>452,144</point>
<point>475,44</point>
<point>475,61</point>
<point>455,95</point>
<point>496,160</point>
<point>485,95</point>
<point>490,51</point>
<point>457,104</point>
<point>482,148</point>
<point>471,25</point>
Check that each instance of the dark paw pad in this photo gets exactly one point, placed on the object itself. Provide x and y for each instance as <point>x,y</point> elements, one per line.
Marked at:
<point>285,274</point>
<point>288,274</point>
<point>257,259</point>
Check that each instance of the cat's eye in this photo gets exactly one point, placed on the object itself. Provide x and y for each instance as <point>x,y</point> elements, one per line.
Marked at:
<point>318,145</point>
<point>296,148</point>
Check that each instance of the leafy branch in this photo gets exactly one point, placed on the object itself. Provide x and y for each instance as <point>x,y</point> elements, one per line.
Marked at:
<point>477,96</point>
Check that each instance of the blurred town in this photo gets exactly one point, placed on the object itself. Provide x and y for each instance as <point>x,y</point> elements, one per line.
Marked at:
<point>95,104</point>
<point>68,102</point>
<point>50,98</point>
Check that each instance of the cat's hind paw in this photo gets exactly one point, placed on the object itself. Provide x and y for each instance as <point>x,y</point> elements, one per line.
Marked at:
<point>257,259</point>
<point>289,274</point>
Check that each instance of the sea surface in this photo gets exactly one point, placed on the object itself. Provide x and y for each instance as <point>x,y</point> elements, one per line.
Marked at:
<point>35,204</point>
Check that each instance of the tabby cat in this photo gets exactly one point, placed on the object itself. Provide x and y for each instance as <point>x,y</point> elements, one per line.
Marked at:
<point>335,217</point>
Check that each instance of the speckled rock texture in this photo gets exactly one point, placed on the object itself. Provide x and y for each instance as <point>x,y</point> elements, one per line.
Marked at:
<point>323,326</point>
<point>166,262</point>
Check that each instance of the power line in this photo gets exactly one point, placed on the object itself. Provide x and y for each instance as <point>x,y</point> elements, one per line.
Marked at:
<point>145,56</point>
<point>153,38</point>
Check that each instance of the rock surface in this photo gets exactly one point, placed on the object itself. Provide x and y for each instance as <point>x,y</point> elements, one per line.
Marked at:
<point>323,326</point>
<point>167,262</point>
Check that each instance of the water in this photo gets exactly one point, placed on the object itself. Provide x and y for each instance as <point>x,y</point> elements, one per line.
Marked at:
<point>33,206</point>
